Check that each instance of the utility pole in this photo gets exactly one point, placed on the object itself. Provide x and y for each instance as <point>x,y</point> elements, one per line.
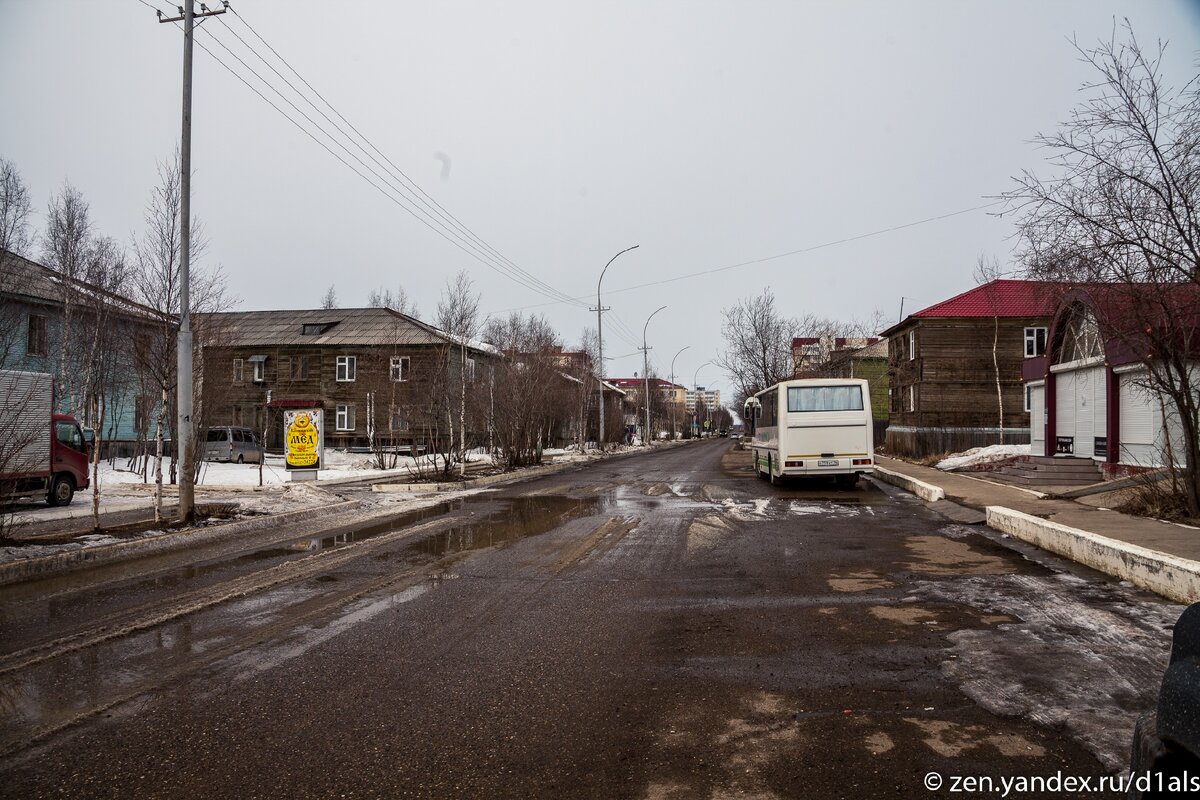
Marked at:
<point>685,347</point>
<point>183,389</point>
<point>600,309</point>
<point>646,373</point>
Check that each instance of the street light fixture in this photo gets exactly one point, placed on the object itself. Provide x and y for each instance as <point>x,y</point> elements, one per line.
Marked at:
<point>685,347</point>
<point>600,309</point>
<point>646,371</point>
<point>696,388</point>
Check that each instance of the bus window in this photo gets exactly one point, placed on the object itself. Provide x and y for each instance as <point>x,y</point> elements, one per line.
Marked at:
<point>825,398</point>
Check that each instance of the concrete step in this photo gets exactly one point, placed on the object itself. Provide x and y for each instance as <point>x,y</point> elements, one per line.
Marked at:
<point>1041,469</point>
<point>1059,460</point>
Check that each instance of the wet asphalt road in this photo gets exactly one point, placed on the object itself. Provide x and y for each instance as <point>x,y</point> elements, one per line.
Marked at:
<point>657,626</point>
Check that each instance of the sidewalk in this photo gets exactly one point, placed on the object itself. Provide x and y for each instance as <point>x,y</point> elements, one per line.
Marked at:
<point>1160,556</point>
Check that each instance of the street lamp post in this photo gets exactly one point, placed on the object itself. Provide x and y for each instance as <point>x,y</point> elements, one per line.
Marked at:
<point>685,347</point>
<point>600,309</point>
<point>646,372</point>
<point>696,388</point>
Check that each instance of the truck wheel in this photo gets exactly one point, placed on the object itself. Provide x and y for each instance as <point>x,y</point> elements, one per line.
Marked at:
<point>62,490</point>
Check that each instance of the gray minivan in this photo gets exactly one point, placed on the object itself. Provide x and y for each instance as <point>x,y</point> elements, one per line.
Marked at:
<point>227,443</point>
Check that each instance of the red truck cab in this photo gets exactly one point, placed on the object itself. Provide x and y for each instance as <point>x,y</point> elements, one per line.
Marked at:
<point>68,460</point>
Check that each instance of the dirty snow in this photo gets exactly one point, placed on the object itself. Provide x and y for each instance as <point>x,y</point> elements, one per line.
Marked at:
<point>982,455</point>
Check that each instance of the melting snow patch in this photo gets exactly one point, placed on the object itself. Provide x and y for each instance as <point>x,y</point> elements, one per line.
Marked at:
<point>760,506</point>
<point>982,455</point>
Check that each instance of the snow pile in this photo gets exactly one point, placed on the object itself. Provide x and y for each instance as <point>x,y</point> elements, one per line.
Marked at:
<point>982,455</point>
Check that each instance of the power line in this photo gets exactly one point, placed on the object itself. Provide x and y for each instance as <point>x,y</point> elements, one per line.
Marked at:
<point>448,234</point>
<point>424,198</point>
<point>800,251</point>
<point>457,240</point>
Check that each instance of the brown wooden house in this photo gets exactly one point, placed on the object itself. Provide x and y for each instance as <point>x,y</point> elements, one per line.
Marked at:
<point>942,377</point>
<point>383,378</point>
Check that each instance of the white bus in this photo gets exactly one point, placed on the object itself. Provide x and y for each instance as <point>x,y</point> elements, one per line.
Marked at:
<point>812,427</point>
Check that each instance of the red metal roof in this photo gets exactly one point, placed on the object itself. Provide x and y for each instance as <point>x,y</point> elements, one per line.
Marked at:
<point>637,382</point>
<point>998,298</point>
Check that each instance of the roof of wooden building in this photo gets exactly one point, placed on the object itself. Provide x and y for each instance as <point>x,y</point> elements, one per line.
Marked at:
<point>328,327</point>
<point>1003,297</point>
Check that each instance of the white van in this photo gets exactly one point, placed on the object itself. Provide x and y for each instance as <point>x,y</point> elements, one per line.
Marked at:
<point>229,443</point>
<point>812,427</point>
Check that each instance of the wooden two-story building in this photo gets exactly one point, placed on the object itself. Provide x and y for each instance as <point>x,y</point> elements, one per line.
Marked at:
<point>382,377</point>
<point>943,376</point>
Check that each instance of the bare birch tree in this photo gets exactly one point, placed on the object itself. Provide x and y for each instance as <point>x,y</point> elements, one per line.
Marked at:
<point>396,301</point>
<point>758,344</point>
<point>105,376</point>
<point>156,281</point>
<point>329,299</point>
<point>1122,210</point>
<point>15,239</point>
<point>66,242</point>
<point>987,270</point>
<point>458,315</point>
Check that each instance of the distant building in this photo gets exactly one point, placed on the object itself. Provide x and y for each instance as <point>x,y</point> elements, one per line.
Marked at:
<point>33,323</point>
<point>633,388</point>
<point>374,371</point>
<point>710,398</point>
<point>942,378</point>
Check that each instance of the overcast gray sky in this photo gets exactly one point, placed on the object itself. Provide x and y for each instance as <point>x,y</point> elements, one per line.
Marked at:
<point>707,133</point>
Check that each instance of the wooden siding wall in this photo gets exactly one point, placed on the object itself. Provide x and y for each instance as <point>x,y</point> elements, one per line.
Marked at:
<point>954,381</point>
<point>232,402</point>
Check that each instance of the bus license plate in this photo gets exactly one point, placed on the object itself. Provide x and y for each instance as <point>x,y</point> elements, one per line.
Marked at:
<point>827,462</point>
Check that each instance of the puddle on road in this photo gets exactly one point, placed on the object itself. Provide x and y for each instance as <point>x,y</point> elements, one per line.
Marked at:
<point>68,607</point>
<point>524,517</point>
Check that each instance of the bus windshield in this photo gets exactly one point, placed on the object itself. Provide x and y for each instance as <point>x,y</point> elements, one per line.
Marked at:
<point>825,398</point>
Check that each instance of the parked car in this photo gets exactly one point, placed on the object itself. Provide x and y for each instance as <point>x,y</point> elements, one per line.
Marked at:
<point>228,443</point>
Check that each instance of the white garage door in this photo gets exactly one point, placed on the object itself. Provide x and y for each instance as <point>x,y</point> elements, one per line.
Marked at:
<point>1037,419</point>
<point>1081,410</point>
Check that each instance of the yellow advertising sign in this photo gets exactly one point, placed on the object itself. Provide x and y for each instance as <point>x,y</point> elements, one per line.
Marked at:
<point>302,439</point>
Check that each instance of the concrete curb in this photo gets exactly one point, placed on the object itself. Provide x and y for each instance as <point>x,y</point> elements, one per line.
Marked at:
<point>1172,577</point>
<point>79,558</point>
<point>923,490</point>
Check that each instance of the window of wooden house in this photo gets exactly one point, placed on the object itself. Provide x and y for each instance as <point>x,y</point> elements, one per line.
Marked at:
<point>346,368</point>
<point>239,415</point>
<point>1028,398</point>
<point>38,344</point>
<point>143,410</point>
<point>298,368</point>
<point>470,371</point>
<point>344,418</point>
<point>260,369</point>
<point>1035,342</point>
<point>238,373</point>
<point>912,397</point>
<point>400,368</point>
<point>141,348</point>
<point>912,344</point>
<point>399,422</point>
